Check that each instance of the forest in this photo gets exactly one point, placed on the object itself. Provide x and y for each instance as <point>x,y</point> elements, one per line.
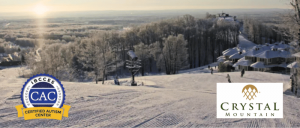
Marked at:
<point>77,52</point>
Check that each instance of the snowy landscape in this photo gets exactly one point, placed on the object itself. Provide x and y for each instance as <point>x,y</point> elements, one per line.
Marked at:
<point>187,99</point>
<point>153,64</point>
<point>184,100</point>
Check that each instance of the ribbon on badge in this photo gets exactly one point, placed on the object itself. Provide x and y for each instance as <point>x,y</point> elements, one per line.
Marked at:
<point>43,112</point>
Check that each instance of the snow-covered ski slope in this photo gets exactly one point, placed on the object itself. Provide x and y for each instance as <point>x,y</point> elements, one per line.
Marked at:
<point>183,100</point>
<point>245,43</point>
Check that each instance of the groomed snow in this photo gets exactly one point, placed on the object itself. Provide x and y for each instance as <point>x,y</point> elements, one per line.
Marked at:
<point>183,100</point>
<point>244,43</point>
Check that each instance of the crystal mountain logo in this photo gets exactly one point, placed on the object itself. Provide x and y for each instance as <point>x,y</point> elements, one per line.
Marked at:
<point>250,91</point>
<point>259,100</point>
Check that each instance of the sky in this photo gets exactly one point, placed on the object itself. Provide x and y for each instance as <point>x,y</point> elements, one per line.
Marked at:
<point>93,5</point>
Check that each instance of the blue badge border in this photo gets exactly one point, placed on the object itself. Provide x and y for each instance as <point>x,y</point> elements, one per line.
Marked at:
<point>28,80</point>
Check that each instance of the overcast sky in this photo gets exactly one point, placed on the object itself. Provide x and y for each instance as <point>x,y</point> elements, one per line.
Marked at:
<point>88,5</point>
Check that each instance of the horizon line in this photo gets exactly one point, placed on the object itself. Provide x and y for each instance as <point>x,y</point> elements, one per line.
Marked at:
<point>154,10</point>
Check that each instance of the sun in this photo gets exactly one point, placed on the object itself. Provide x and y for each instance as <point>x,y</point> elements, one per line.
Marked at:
<point>40,9</point>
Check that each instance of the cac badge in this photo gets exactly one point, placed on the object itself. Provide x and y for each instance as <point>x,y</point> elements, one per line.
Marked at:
<point>43,97</point>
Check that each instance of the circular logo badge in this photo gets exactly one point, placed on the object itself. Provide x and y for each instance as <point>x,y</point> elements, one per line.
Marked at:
<point>43,91</point>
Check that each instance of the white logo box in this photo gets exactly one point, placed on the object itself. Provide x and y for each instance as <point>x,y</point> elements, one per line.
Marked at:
<point>268,93</point>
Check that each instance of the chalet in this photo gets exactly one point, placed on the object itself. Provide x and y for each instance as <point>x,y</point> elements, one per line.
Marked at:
<point>226,17</point>
<point>272,60</point>
<point>268,57</point>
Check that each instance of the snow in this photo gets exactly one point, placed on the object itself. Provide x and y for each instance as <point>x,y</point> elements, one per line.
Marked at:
<point>228,19</point>
<point>274,54</point>
<point>202,69</point>
<point>226,51</point>
<point>258,65</point>
<point>268,54</point>
<point>296,54</point>
<point>221,59</point>
<point>275,47</point>
<point>236,56</point>
<point>262,65</point>
<point>293,65</point>
<point>283,46</point>
<point>231,52</point>
<point>242,62</point>
<point>265,47</point>
<point>244,43</point>
<point>286,54</point>
<point>252,53</point>
<point>183,100</point>
<point>228,62</point>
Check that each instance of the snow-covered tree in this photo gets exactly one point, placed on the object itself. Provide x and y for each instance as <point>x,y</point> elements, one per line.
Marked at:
<point>96,55</point>
<point>174,53</point>
<point>143,53</point>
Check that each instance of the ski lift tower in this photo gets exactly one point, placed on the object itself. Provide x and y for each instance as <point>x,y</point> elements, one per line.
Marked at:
<point>133,65</point>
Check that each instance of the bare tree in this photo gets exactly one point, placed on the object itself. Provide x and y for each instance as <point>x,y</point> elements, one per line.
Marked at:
<point>296,20</point>
<point>172,53</point>
<point>142,51</point>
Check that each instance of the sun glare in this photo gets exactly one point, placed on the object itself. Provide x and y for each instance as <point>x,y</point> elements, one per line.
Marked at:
<point>40,9</point>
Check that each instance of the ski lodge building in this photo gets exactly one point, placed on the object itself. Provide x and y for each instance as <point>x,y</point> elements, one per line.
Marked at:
<point>269,58</point>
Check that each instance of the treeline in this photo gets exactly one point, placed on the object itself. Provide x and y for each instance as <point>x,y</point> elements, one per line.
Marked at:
<point>168,45</point>
<point>24,36</point>
<point>260,33</point>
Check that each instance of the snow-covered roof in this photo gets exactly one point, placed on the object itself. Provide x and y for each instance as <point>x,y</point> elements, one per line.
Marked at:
<point>296,54</point>
<point>262,65</point>
<point>274,54</point>
<point>258,65</point>
<point>266,51</point>
<point>231,52</point>
<point>242,62</point>
<point>275,47</point>
<point>283,46</point>
<point>253,52</point>
<point>265,47</point>
<point>226,51</point>
<point>284,65</point>
<point>293,65</point>
<point>242,59</point>
<point>227,18</point>
<point>221,57</point>
<point>236,56</point>
<point>228,62</point>
<point>286,54</point>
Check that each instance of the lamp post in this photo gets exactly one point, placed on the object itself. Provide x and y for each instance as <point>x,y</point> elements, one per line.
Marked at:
<point>133,65</point>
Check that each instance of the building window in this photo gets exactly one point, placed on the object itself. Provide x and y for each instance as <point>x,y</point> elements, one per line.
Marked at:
<point>261,59</point>
<point>270,60</point>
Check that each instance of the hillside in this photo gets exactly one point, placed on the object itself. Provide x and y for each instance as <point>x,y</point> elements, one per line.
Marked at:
<point>184,100</point>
